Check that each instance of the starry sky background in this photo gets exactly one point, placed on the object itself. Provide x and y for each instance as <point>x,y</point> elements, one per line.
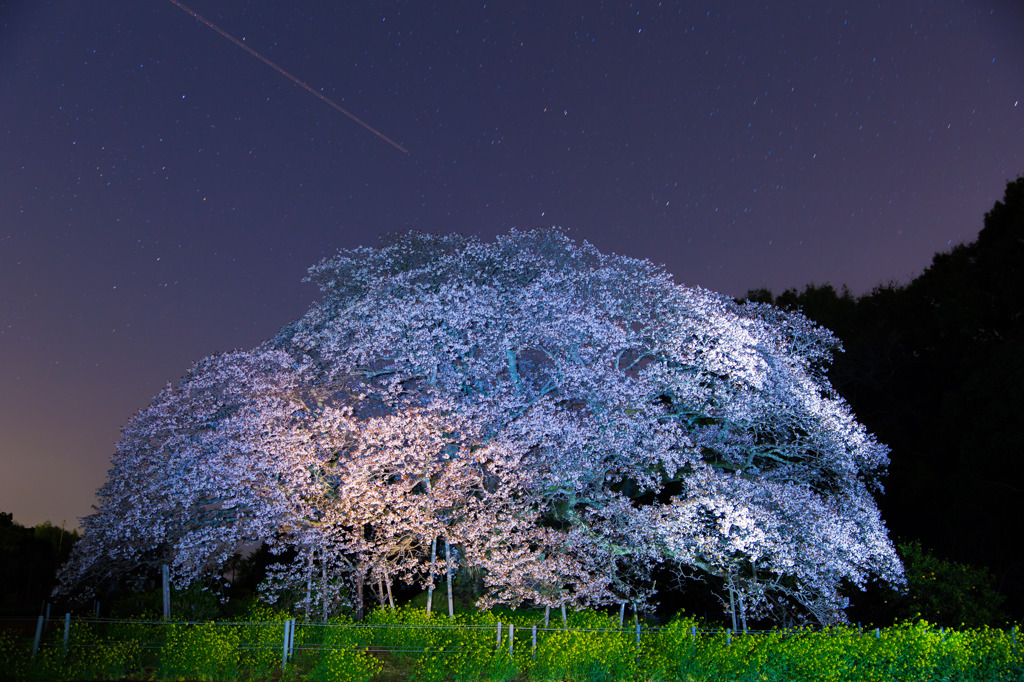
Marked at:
<point>162,191</point>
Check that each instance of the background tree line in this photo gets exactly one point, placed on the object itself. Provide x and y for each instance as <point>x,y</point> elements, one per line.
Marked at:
<point>935,369</point>
<point>29,558</point>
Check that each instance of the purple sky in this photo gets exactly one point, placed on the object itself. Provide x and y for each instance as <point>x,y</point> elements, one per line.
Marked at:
<point>162,191</point>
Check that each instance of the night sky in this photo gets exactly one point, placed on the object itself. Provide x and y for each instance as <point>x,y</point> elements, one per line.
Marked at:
<point>162,191</point>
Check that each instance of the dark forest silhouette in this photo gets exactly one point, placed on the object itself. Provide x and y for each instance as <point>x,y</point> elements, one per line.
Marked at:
<point>935,369</point>
<point>29,558</point>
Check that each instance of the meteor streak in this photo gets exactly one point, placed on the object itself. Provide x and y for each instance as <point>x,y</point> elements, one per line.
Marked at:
<point>290,77</point>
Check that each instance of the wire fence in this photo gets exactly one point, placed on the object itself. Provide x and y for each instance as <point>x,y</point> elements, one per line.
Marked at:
<point>151,634</point>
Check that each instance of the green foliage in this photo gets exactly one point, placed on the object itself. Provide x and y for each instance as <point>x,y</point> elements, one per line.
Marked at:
<point>14,656</point>
<point>260,634</point>
<point>194,603</point>
<point>584,656</point>
<point>909,651</point>
<point>345,665</point>
<point>199,652</point>
<point>946,592</point>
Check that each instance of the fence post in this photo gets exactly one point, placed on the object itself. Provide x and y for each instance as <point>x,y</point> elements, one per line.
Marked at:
<point>693,631</point>
<point>511,638</point>
<point>498,645</point>
<point>878,633</point>
<point>165,571</point>
<point>638,633</point>
<point>291,640</point>
<point>284,647</point>
<point>67,631</point>
<point>534,657</point>
<point>547,615</point>
<point>39,635</point>
<point>622,613</point>
<point>728,637</point>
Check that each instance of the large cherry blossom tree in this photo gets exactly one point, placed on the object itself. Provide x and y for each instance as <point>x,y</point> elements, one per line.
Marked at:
<point>560,420</point>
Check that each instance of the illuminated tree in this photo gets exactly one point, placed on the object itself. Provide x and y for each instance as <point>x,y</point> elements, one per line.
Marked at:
<point>565,420</point>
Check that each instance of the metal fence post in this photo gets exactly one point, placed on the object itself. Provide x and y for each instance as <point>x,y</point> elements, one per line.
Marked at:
<point>511,637</point>
<point>39,635</point>
<point>498,645</point>
<point>284,646</point>
<point>728,637</point>
<point>165,571</point>
<point>638,633</point>
<point>535,642</point>
<point>67,631</point>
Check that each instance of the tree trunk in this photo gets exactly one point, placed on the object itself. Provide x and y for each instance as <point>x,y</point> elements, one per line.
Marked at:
<point>323,588</point>
<point>732,604</point>
<point>448,567</point>
<point>433,563</point>
<point>360,579</point>
<point>387,581</point>
<point>743,613</point>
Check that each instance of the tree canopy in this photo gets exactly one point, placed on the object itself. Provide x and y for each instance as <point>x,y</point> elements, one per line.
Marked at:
<point>562,420</point>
